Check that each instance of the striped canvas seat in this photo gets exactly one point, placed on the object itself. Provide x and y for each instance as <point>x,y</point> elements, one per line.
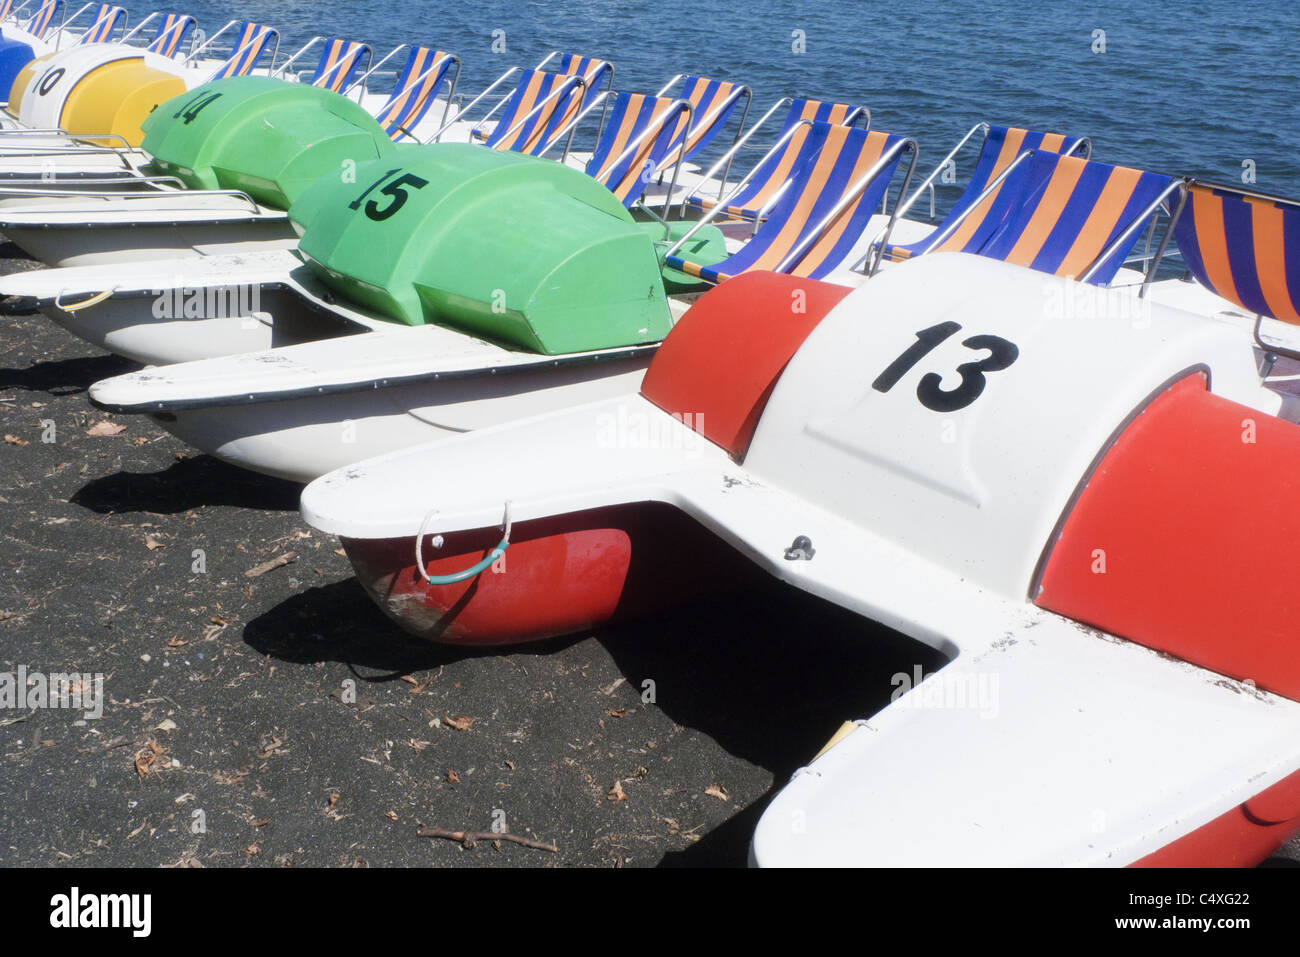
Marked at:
<point>338,63</point>
<point>844,155</point>
<point>712,103</point>
<point>531,117</point>
<point>596,74</point>
<point>6,9</point>
<point>594,71</point>
<point>774,169</point>
<point>40,21</point>
<point>416,88</point>
<point>1071,212</point>
<point>621,161</point>
<point>1001,146</point>
<point>171,34</point>
<point>106,21</point>
<point>1245,247</point>
<point>251,41</point>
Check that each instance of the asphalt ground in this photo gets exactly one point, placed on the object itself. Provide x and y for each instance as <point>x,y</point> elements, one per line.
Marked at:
<point>282,720</point>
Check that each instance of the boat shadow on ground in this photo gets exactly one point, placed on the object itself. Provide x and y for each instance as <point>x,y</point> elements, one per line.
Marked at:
<point>768,676</point>
<point>192,482</point>
<point>338,622</point>
<point>65,376</point>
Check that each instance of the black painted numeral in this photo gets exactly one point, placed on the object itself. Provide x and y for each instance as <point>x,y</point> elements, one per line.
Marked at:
<point>395,191</point>
<point>50,81</point>
<point>191,110</point>
<point>929,391</point>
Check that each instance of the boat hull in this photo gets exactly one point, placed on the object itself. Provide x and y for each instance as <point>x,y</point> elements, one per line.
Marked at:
<point>561,575</point>
<point>301,439</point>
<point>143,241</point>
<point>131,327</point>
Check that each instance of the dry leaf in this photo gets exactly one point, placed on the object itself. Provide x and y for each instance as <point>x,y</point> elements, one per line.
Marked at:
<point>452,777</point>
<point>15,440</point>
<point>139,440</point>
<point>278,562</point>
<point>106,428</point>
<point>147,757</point>
<point>616,793</point>
<point>152,543</point>
<point>717,791</point>
<point>166,725</point>
<point>390,815</point>
<point>331,810</point>
<point>460,724</point>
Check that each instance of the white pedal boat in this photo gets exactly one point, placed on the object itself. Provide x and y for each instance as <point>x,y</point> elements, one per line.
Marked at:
<point>1070,507</point>
<point>249,145</point>
<point>417,331</point>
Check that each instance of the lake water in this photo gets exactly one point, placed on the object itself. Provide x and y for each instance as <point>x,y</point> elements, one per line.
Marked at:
<point>1181,88</point>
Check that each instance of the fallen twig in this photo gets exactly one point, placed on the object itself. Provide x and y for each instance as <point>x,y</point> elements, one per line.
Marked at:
<point>470,838</point>
<point>278,562</point>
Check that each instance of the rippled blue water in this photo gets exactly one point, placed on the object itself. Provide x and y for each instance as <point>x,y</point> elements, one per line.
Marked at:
<point>1181,87</point>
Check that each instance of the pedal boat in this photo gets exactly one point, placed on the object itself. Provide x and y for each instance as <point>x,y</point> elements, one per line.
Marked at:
<point>479,287</point>
<point>75,112</point>
<point>226,163</point>
<point>1070,507</point>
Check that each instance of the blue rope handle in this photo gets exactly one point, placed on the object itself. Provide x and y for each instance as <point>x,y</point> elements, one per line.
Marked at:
<point>476,569</point>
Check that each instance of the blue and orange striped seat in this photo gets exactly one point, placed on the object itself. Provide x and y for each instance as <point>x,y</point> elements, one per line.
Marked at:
<point>776,167</point>
<point>251,41</point>
<point>594,71</point>
<point>171,34</point>
<point>416,88</point>
<point>596,74</point>
<point>797,238</point>
<point>338,63</point>
<point>528,94</point>
<point>39,23</point>
<point>1071,212</point>
<point>1000,148</point>
<point>1244,247</point>
<point>107,20</point>
<point>712,103</point>
<point>532,117</point>
<point>6,9</point>
<point>640,131</point>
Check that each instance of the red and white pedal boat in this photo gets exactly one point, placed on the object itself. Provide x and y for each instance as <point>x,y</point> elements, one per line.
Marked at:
<point>1091,514</point>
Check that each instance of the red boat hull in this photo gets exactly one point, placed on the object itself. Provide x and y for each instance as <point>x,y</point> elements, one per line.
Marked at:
<point>561,574</point>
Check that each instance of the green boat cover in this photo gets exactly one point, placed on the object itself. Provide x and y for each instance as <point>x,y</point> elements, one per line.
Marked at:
<point>268,137</point>
<point>511,248</point>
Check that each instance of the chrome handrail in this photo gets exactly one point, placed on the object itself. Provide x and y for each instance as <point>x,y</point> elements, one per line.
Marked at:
<point>1179,186</point>
<point>195,51</point>
<point>655,126</point>
<point>941,236</point>
<point>474,102</point>
<point>6,190</point>
<point>907,143</point>
<point>710,214</point>
<point>565,88</point>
